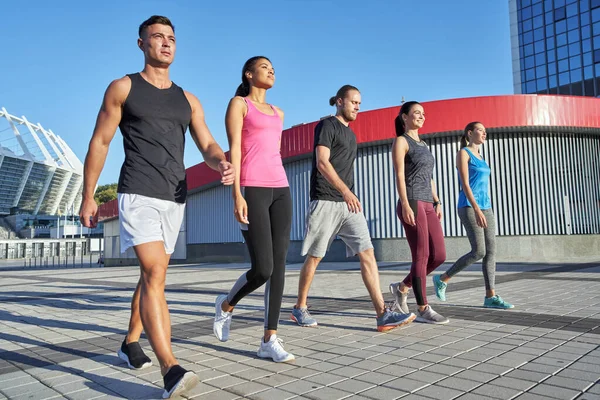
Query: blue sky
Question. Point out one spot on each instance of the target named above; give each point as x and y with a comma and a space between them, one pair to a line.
60, 56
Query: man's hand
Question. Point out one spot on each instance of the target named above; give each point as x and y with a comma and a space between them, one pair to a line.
352, 202
88, 213
227, 171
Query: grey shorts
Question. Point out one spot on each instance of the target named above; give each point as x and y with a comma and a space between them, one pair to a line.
327, 219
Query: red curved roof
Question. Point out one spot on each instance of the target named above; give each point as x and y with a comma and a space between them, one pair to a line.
441, 116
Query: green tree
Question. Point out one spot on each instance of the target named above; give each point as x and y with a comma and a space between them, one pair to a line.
105, 193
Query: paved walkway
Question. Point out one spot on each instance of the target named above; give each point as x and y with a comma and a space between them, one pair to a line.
60, 328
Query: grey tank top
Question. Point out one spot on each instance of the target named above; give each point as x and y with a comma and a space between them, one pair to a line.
418, 170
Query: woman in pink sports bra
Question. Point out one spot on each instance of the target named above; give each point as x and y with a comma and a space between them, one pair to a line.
262, 202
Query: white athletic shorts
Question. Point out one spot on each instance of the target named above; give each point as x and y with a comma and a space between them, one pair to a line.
145, 219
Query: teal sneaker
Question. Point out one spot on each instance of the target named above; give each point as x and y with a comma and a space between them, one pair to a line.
440, 287
496, 302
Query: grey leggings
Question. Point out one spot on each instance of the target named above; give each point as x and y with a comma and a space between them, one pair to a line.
483, 245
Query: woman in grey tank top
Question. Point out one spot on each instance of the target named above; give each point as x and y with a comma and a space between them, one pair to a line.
418, 209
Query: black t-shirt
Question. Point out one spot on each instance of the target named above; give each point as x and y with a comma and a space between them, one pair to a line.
153, 125
341, 141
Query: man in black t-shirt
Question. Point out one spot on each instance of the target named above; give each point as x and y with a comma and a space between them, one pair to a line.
335, 211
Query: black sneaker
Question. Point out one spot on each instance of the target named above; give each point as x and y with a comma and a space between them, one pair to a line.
133, 355
178, 381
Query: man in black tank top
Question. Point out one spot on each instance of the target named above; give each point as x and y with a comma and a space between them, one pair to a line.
153, 114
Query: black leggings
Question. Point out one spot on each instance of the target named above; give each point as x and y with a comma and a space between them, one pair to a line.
267, 237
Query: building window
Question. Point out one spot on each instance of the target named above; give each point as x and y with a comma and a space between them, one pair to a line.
550, 30
573, 23
597, 68
531, 88
526, 13
552, 68
588, 72
586, 45
538, 22
560, 27
563, 65
537, 9
562, 52
584, 5
550, 43
540, 72
551, 56
564, 79
549, 17
538, 34
528, 37
527, 25
529, 62
539, 46
596, 15
575, 62
561, 40
574, 36
595, 3
559, 3
574, 49
528, 50
530, 74
585, 18
560, 14
596, 42
596, 28
586, 32
552, 81
540, 59
542, 84
588, 58
589, 87
576, 75
572, 10
596, 56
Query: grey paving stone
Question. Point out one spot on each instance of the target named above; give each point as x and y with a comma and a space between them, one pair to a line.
247, 388
353, 386
477, 376
300, 387
496, 392
272, 394
568, 383
326, 379
530, 396
464, 385
424, 376
382, 392
527, 375
406, 384
554, 391
327, 393
376, 378
439, 392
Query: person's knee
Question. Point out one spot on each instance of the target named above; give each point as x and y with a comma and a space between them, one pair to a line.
367, 258
312, 261
154, 276
478, 252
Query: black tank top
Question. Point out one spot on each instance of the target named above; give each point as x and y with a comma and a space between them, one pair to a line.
418, 170
153, 125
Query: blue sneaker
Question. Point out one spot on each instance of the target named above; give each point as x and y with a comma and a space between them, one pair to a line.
440, 287
390, 320
302, 317
496, 302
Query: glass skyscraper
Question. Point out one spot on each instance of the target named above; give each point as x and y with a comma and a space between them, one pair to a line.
556, 46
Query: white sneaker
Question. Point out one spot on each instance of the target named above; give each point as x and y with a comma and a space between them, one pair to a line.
274, 349
222, 320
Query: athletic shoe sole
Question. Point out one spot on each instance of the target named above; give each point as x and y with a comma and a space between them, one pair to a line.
267, 355
499, 308
186, 383
124, 357
428, 321
387, 328
302, 325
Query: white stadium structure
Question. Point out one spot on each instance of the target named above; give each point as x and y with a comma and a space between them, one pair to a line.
39, 173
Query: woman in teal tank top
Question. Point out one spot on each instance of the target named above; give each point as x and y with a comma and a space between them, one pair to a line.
476, 214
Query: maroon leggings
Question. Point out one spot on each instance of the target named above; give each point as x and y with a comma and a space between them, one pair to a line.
427, 247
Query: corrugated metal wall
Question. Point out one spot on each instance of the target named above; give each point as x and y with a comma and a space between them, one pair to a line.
541, 184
